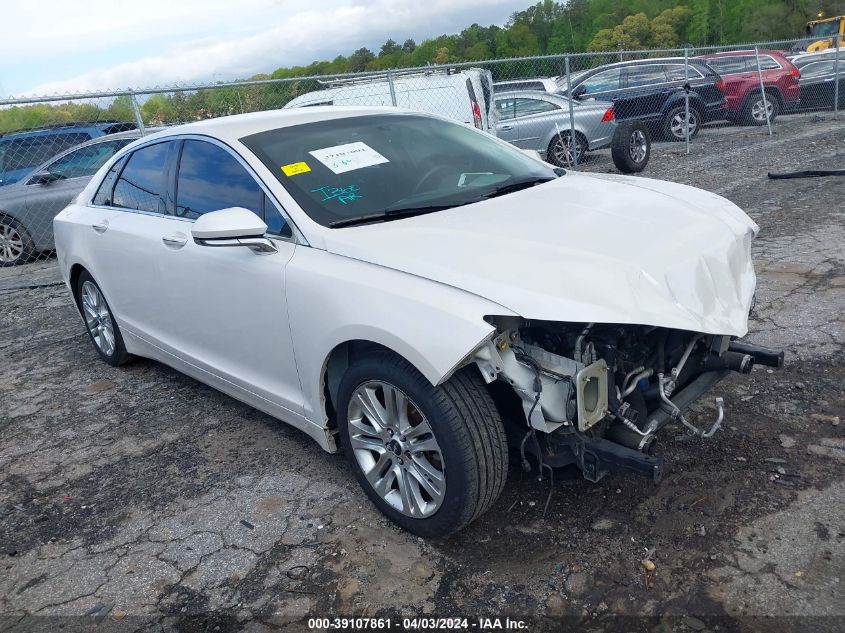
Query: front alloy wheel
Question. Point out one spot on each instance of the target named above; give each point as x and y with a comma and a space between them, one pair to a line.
396, 449
431, 458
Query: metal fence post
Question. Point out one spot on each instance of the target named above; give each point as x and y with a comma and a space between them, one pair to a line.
139, 121
572, 138
392, 89
836, 78
686, 97
763, 88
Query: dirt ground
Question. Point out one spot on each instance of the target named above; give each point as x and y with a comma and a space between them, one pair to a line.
138, 499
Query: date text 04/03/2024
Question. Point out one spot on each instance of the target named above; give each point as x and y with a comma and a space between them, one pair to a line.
420, 623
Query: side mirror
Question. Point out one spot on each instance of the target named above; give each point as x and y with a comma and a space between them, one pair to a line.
577, 91
234, 226
43, 178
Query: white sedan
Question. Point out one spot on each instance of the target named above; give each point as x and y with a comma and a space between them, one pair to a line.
416, 292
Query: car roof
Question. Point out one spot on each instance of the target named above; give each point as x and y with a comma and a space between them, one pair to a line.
530, 94
233, 128
741, 53
650, 60
64, 128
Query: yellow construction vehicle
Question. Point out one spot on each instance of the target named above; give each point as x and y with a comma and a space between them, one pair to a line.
826, 30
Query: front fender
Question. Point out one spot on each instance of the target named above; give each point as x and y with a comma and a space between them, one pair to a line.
334, 299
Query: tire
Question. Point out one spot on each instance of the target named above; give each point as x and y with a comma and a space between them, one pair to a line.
673, 123
99, 321
631, 147
559, 152
466, 460
16, 246
753, 112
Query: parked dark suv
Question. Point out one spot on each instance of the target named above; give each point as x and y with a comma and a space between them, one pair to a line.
652, 90
21, 152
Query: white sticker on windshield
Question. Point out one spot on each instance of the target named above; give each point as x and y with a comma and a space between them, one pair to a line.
343, 158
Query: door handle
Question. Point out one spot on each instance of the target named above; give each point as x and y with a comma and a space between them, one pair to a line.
177, 240
507, 127
100, 227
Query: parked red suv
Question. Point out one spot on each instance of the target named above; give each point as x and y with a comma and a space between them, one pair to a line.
741, 84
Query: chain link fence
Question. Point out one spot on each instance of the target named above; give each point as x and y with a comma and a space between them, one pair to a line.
621, 102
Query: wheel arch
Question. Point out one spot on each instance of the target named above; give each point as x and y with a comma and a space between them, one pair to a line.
344, 354
771, 91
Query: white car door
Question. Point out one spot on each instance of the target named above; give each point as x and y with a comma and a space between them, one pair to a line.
227, 308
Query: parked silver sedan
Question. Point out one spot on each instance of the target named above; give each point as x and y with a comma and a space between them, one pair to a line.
536, 120
27, 207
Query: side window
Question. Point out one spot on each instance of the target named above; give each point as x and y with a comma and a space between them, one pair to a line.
766, 63
275, 221
817, 69
86, 160
525, 107
646, 75
143, 182
603, 81
729, 65
675, 72
211, 179
104, 192
505, 108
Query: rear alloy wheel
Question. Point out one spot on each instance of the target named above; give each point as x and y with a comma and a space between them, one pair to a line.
561, 150
674, 123
631, 147
431, 458
99, 321
755, 109
16, 246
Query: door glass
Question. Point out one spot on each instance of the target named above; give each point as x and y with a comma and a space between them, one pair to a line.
275, 221
729, 65
104, 193
211, 179
143, 182
646, 75
524, 107
603, 81
86, 160
675, 72
766, 63
505, 108
817, 69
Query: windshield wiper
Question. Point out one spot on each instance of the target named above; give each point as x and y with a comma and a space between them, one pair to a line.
391, 214
397, 213
519, 185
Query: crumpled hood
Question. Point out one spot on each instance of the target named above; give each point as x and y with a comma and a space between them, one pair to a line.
584, 248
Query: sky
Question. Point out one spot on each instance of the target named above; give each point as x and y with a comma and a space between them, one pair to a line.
67, 46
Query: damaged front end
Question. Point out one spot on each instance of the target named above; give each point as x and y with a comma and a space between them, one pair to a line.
596, 395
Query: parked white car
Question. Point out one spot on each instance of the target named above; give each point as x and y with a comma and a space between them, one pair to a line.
461, 95
416, 292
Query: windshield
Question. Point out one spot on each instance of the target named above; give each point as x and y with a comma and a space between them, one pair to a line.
353, 167
825, 29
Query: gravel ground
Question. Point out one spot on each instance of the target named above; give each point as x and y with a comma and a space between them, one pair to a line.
139, 499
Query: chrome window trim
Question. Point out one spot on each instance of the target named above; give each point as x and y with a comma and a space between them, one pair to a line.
297, 237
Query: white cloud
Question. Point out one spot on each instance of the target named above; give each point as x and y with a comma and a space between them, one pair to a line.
189, 41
